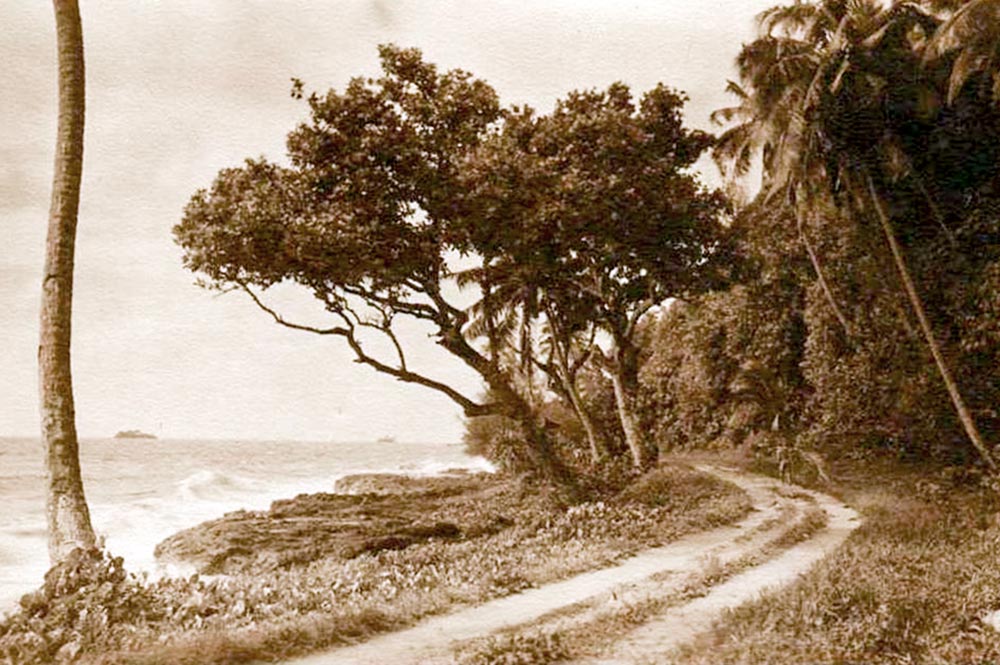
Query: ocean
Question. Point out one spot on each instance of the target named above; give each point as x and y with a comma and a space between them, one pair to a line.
141, 491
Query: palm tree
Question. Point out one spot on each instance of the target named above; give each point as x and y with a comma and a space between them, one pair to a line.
781, 72
857, 58
505, 316
69, 524
973, 31
569, 347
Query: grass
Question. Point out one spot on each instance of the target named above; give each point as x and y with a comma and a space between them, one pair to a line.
93, 612
911, 585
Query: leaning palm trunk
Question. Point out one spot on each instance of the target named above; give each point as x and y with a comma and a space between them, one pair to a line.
68, 518
818, 269
956, 397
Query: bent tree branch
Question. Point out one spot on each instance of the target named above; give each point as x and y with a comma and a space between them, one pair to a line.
470, 407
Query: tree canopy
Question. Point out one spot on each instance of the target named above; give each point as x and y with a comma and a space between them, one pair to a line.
596, 207
876, 126
586, 215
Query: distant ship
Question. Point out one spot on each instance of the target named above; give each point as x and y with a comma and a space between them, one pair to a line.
133, 434
386, 439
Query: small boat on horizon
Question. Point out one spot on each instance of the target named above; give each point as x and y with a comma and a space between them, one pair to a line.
386, 439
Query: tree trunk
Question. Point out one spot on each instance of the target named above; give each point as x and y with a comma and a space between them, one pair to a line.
68, 518
598, 452
538, 442
633, 438
818, 269
918, 307
544, 458
565, 374
624, 371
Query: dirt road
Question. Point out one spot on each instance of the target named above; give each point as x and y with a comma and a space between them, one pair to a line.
656, 571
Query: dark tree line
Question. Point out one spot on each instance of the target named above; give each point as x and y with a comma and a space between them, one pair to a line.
875, 234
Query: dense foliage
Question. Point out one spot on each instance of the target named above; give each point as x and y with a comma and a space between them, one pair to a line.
591, 215
879, 137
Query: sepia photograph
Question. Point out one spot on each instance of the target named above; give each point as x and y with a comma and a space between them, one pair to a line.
347, 332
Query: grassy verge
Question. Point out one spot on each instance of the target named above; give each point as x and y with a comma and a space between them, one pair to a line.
911, 585
506, 537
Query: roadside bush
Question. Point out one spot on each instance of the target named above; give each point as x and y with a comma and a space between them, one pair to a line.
518, 649
725, 366
914, 584
86, 601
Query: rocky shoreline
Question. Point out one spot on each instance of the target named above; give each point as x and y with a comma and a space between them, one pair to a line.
366, 513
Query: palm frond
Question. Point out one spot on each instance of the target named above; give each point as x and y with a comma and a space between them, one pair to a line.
734, 88
726, 115
734, 149
974, 31
976, 24
464, 278
788, 19
896, 26
942, 6
967, 63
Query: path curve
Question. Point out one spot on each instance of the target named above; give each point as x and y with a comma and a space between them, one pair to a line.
652, 642
433, 639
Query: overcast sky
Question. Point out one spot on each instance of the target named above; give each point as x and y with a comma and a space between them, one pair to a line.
179, 89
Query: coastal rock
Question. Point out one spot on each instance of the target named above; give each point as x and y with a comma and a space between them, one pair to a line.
395, 483
312, 526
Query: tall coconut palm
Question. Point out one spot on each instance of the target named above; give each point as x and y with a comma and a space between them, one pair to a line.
780, 74
828, 122
972, 33
875, 73
69, 524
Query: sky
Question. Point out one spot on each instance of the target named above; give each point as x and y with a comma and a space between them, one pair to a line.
178, 90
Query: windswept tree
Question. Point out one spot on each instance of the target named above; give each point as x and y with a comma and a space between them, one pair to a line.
68, 517
595, 204
364, 218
